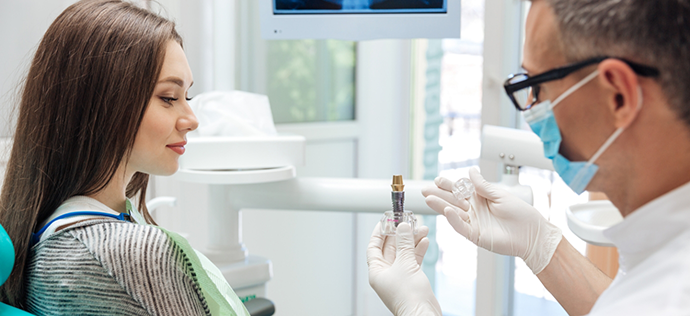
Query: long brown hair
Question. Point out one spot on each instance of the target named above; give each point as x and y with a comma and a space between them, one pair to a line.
88, 86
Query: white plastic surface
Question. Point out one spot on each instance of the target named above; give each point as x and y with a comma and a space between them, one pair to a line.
513, 147
589, 220
248, 273
236, 176
160, 201
328, 194
228, 153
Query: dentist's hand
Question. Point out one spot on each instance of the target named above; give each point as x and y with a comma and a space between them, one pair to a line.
497, 221
395, 273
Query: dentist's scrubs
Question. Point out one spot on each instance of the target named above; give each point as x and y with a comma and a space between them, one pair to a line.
654, 247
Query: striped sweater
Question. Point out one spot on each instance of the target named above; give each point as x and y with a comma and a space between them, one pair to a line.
110, 267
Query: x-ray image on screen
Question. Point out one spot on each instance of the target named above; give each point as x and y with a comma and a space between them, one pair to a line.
405, 4
358, 6
309, 4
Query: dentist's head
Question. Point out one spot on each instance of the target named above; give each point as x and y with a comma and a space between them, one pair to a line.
606, 89
103, 106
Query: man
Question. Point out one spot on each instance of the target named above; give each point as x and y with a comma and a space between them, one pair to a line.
607, 89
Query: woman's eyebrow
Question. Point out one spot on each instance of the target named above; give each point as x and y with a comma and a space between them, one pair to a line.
175, 80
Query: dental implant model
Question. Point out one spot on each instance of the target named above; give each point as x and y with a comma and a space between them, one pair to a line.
463, 189
391, 219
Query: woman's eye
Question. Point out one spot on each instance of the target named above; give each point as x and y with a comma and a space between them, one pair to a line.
189, 99
168, 100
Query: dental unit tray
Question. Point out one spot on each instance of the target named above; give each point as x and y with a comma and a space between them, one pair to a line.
242, 153
589, 220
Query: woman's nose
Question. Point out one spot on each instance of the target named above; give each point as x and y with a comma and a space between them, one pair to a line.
188, 122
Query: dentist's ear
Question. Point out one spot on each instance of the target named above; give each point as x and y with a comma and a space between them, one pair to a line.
625, 94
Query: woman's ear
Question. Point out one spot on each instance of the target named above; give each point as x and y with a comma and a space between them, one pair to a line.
624, 98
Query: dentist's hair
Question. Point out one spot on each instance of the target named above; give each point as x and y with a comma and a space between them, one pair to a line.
654, 33
82, 102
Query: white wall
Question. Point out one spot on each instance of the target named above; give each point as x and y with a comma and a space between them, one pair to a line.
22, 24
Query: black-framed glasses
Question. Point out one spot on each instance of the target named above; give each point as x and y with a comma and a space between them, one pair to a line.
523, 90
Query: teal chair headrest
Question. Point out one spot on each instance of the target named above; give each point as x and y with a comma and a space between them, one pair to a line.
6, 255
6, 264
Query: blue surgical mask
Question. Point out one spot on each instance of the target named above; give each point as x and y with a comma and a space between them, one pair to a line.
577, 175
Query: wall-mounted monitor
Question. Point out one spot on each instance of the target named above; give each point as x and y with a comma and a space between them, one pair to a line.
359, 19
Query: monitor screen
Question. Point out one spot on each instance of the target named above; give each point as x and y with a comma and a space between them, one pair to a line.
358, 6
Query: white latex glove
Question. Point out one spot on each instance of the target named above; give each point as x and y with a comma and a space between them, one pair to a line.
395, 273
497, 221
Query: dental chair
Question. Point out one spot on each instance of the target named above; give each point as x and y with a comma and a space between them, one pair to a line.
256, 307
6, 264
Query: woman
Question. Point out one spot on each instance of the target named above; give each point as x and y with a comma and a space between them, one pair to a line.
104, 105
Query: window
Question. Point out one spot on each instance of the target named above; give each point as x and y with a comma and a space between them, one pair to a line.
311, 80
461, 106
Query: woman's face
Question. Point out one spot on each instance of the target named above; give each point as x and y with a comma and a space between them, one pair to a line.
167, 120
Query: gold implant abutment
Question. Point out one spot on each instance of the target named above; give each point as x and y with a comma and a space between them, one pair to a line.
398, 198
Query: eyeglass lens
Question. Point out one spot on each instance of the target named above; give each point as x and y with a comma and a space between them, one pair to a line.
524, 97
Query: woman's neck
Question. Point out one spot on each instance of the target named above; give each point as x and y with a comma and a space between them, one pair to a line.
113, 195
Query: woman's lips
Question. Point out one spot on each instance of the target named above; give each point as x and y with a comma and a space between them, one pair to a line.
178, 147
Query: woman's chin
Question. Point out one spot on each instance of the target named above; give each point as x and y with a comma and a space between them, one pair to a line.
169, 173
166, 171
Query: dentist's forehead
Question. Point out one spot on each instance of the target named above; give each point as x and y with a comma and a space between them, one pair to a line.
543, 49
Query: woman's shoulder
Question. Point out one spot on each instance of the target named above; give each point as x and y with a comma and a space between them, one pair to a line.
115, 231
104, 232
140, 259
118, 241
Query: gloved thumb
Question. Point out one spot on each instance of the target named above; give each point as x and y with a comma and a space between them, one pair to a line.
483, 187
404, 242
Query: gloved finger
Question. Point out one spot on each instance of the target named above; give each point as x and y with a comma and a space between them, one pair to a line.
450, 200
444, 183
389, 246
435, 203
426, 191
460, 226
464, 215
404, 242
483, 187
420, 250
389, 249
421, 233
374, 250
446, 196
438, 204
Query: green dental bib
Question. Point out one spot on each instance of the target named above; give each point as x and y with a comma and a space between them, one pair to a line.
220, 297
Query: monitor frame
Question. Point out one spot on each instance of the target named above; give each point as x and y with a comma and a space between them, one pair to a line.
359, 26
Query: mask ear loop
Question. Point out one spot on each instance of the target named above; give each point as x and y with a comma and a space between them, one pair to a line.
615, 134
574, 88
